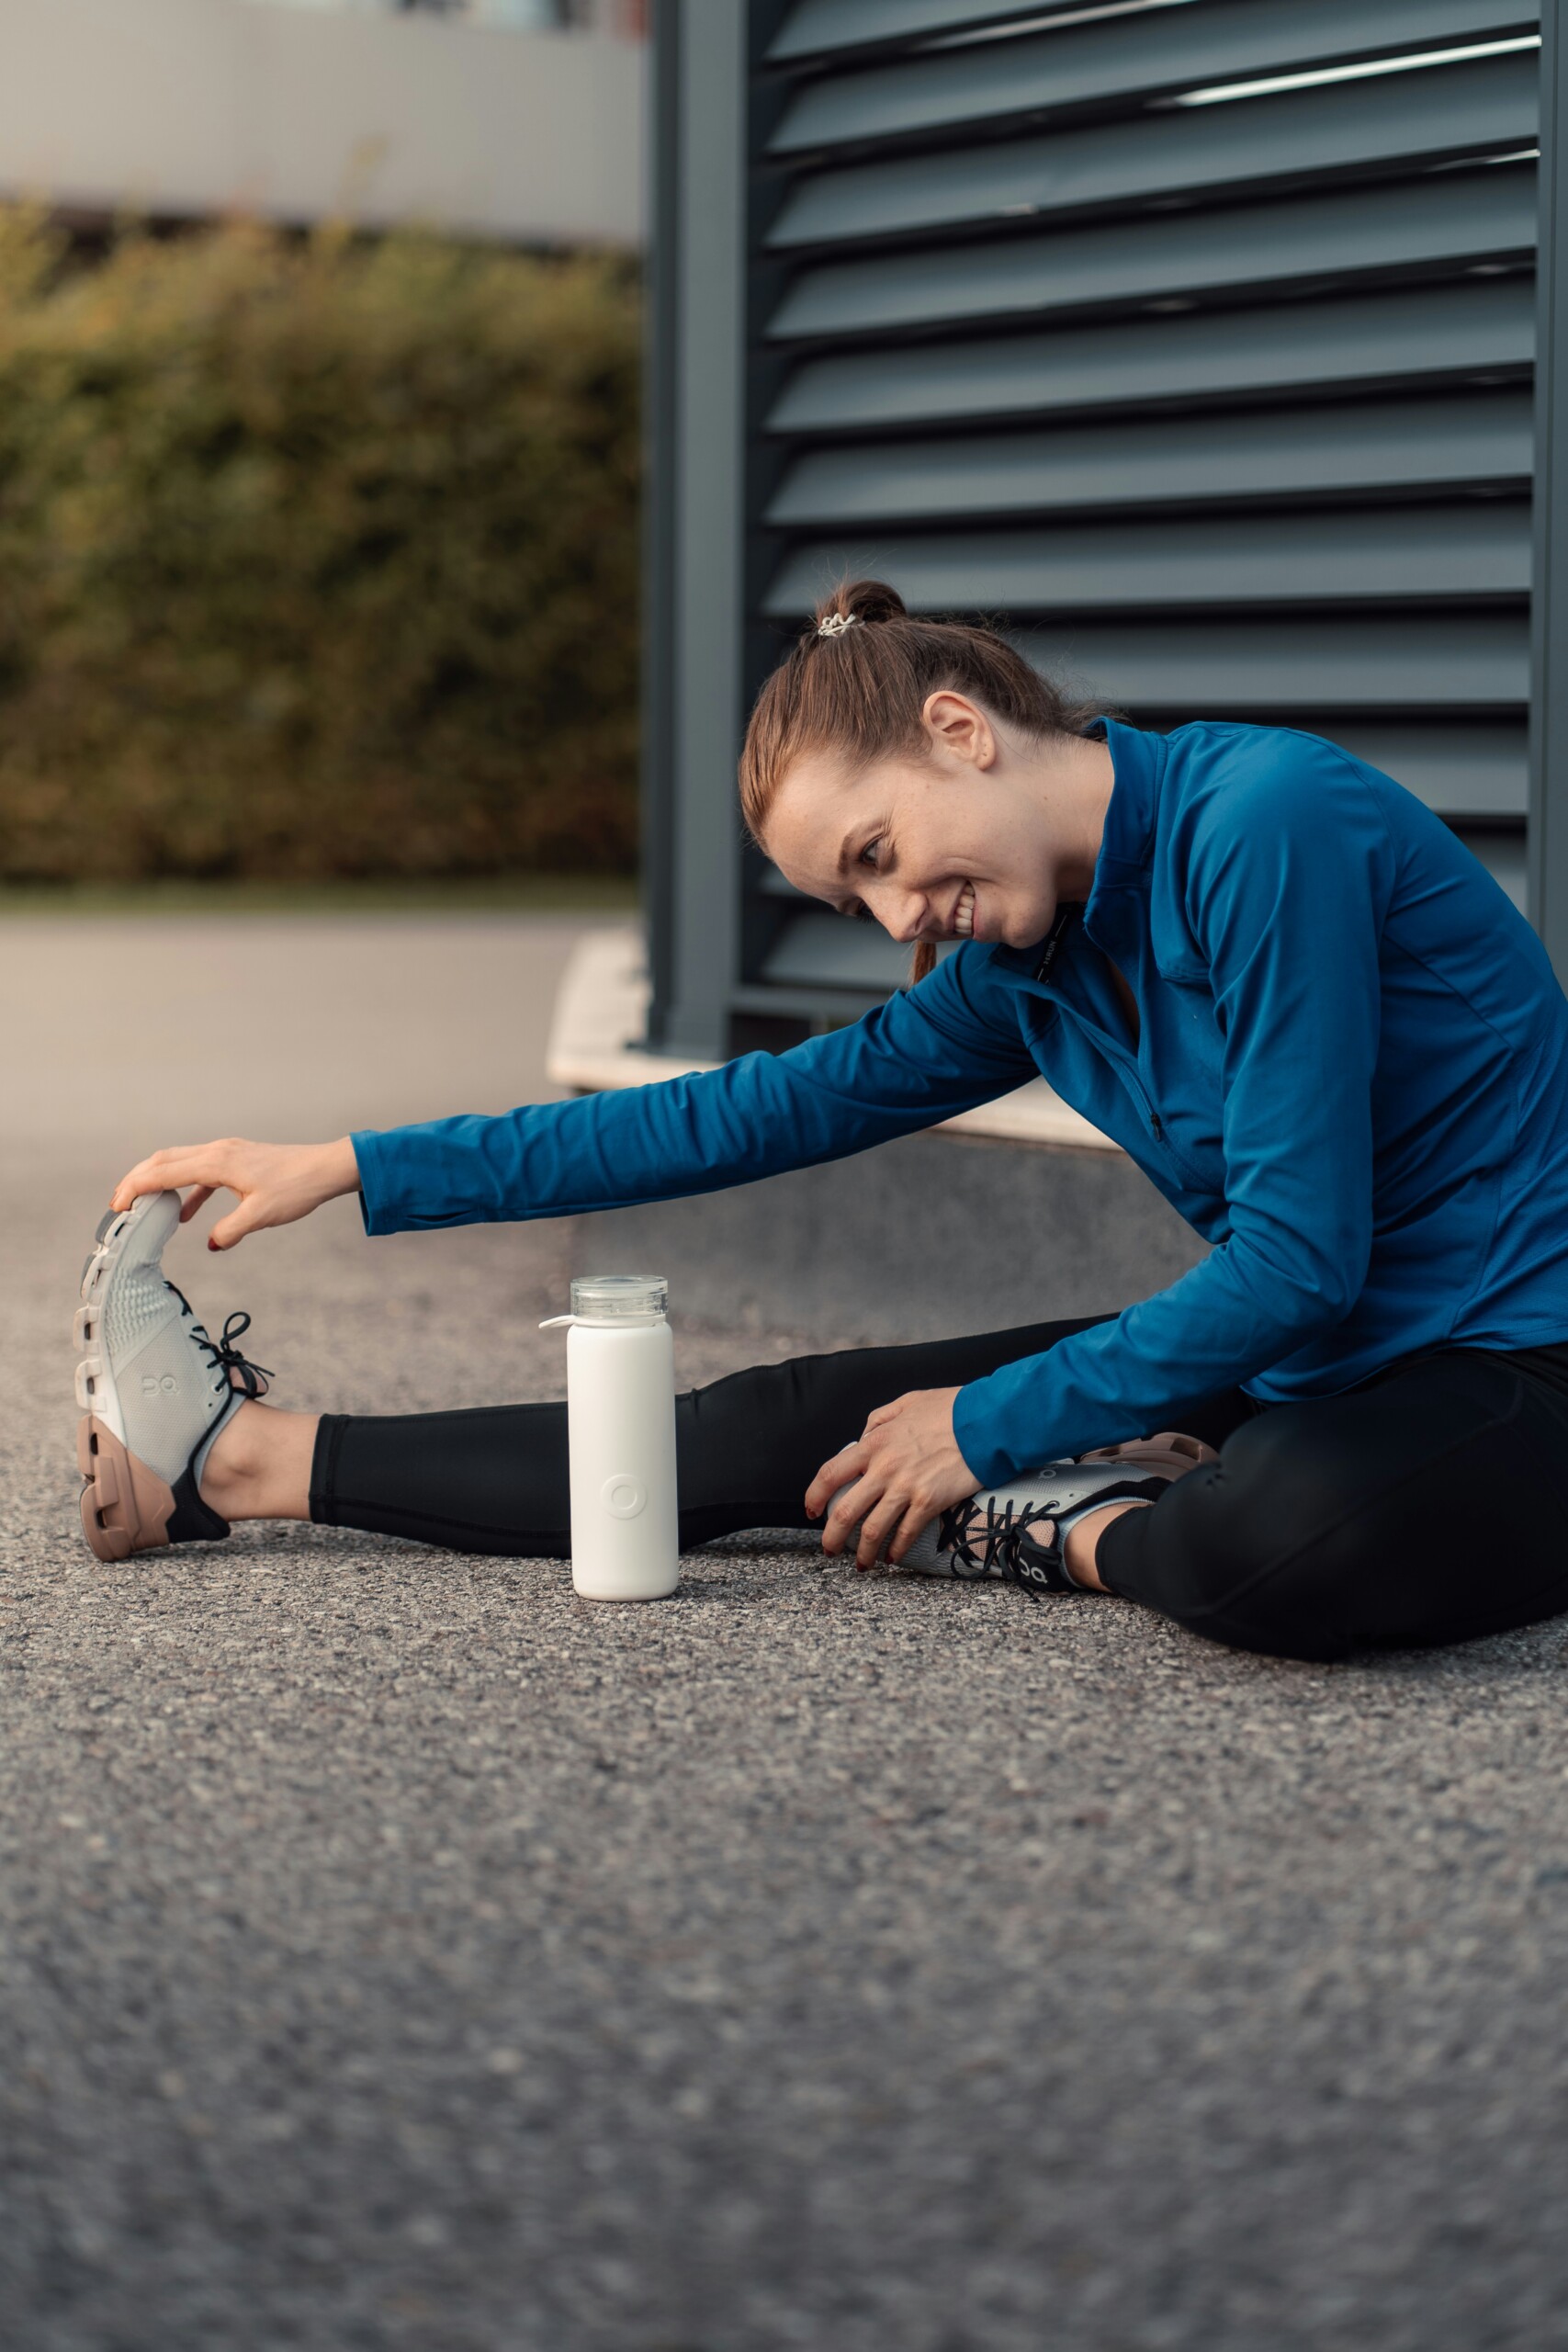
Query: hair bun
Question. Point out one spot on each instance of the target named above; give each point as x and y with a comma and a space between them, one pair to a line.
862, 600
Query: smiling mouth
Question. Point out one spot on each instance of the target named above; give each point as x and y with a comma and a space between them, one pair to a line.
964, 913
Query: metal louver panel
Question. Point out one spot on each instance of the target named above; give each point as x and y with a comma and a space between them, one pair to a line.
815, 29
819, 30
1253, 668
1349, 450
1457, 110
1475, 220
1483, 328
1219, 394
817, 948
1106, 64
1456, 554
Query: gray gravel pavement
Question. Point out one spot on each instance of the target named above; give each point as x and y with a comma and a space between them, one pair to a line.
395, 1951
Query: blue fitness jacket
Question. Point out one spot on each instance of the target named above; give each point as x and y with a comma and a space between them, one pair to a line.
1351, 1080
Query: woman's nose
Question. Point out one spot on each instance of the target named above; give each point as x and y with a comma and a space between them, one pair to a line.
908, 917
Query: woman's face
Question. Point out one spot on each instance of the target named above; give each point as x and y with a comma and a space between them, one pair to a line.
959, 845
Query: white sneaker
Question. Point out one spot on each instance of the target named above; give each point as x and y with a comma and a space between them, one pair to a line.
154, 1389
1017, 1533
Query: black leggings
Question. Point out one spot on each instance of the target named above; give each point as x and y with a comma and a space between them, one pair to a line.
1429, 1505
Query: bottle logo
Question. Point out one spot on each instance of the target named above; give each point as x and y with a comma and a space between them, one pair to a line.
623, 1496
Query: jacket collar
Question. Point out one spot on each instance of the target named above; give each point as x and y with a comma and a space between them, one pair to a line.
1126, 846
1126, 851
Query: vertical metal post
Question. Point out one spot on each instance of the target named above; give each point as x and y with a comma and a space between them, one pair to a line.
695, 616
1549, 656
658, 387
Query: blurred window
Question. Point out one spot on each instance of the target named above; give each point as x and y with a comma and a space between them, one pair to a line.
519, 16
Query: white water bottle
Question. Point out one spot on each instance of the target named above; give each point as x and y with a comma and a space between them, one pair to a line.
620, 1392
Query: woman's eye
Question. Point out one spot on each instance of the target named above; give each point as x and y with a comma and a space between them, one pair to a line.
866, 855
862, 912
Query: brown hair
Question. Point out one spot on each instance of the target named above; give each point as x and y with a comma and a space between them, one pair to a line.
860, 692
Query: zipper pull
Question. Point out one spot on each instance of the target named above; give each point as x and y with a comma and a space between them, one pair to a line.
1155, 1127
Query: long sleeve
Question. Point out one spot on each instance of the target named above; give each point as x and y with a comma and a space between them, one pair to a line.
923, 1057
1289, 875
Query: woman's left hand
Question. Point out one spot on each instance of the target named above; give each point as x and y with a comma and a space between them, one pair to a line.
894, 1479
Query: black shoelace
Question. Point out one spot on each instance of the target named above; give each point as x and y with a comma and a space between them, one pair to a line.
996, 1545
223, 1352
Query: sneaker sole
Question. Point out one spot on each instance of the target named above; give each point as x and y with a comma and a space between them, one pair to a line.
96, 1391
1168, 1452
125, 1508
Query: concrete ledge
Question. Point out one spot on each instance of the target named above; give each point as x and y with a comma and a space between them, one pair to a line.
1015, 1214
602, 1012
925, 1237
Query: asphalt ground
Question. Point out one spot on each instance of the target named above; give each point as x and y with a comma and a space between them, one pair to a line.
396, 1952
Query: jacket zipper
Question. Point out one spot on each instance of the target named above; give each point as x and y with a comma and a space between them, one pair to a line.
1112, 1047
1156, 1127
1116, 1052
1128, 1065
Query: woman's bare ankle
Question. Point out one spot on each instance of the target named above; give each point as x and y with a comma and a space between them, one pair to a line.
259, 1466
1083, 1542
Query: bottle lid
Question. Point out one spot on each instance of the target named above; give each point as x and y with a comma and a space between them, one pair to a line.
620, 1298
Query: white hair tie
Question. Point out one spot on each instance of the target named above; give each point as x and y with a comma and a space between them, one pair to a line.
836, 623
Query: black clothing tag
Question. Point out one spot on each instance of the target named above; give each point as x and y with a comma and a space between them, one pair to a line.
1058, 931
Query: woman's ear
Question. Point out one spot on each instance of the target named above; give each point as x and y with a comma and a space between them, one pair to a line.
960, 728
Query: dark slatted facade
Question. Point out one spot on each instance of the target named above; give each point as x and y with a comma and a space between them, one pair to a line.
1197, 338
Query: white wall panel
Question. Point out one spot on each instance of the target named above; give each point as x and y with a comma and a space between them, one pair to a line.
192, 106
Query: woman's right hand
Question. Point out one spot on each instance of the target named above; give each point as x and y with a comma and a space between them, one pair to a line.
277, 1183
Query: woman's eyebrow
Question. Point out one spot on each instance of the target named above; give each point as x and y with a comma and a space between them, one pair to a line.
872, 827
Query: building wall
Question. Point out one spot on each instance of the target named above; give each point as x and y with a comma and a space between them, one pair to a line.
187, 107
1197, 341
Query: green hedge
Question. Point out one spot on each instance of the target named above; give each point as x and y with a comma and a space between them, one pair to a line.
317, 559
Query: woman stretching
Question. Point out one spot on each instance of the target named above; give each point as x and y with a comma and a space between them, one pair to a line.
1261, 966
